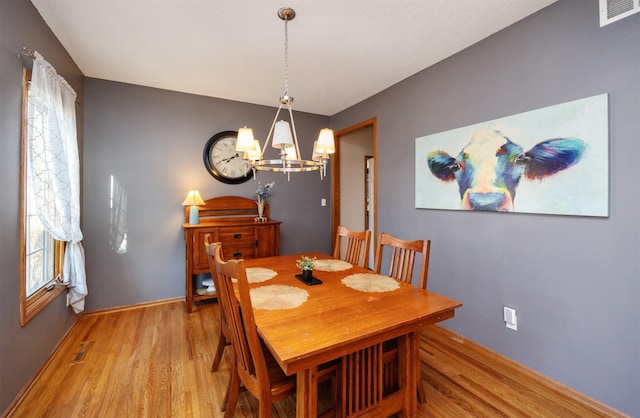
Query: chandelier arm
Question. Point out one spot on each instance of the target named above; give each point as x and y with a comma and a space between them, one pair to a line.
295, 134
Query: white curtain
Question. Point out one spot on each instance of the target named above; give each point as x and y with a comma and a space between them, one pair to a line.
52, 161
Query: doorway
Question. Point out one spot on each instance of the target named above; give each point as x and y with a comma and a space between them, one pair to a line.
354, 181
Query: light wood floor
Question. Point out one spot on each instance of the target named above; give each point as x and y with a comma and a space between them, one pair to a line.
154, 361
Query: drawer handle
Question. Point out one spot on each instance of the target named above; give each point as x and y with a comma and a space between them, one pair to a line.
237, 235
237, 254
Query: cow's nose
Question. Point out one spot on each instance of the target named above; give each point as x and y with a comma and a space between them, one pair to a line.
487, 201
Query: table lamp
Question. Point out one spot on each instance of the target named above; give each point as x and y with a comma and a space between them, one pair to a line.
193, 200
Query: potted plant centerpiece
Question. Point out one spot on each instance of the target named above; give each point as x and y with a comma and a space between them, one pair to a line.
306, 264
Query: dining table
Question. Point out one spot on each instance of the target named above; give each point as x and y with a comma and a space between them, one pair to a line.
349, 310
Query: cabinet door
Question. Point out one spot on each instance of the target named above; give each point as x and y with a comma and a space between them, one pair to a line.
200, 260
267, 241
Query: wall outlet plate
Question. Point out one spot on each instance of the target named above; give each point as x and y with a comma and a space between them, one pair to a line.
510, 318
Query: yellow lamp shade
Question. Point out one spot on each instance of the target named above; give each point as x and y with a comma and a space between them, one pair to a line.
325, 142
193, 198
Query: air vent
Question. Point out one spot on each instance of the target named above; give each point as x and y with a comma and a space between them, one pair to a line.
614, 10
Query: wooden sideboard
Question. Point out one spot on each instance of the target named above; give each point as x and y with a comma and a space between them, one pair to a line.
231, 221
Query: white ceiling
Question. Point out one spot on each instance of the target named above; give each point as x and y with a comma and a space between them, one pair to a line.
340, 51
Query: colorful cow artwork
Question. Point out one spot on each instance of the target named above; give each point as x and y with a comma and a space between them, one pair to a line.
490, 167
554, 158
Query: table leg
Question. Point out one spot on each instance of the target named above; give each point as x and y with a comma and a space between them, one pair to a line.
307, 393
407, 373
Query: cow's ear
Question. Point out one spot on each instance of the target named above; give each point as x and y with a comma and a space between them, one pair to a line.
553, 155
442, 165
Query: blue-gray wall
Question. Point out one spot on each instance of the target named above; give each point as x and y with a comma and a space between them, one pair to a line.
575, 281
23, 349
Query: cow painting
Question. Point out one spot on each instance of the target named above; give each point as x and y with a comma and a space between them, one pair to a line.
489, 168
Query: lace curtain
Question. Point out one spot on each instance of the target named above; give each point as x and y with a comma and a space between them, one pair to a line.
53, 164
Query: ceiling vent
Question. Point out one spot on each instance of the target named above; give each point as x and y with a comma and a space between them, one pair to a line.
614, 10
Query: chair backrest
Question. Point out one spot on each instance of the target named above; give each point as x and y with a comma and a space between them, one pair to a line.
212, 263
251, 364
355, 243
214, 275
403, 256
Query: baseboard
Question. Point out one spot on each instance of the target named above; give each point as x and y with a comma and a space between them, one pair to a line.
179, 299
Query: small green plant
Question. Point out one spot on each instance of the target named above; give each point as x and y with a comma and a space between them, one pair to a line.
306, 263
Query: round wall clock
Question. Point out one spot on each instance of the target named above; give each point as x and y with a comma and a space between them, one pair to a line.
222, 160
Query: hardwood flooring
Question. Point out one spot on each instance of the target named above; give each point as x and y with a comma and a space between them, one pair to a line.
154, 361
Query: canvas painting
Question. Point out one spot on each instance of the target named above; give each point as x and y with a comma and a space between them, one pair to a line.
553, 160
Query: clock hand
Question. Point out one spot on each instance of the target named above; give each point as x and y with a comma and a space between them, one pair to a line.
226, 160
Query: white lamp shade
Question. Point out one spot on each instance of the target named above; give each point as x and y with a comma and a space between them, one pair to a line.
245, 139
325, 142
193, 198
256, 152
291, 153
317, 155
282, 134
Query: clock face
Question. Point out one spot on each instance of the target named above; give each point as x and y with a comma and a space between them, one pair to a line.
222, 160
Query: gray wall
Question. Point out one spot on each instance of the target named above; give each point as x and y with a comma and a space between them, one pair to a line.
23, 349
151, 141
573, 280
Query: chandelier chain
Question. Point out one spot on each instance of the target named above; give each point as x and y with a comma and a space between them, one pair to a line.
286, 57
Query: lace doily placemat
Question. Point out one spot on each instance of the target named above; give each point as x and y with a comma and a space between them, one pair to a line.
332, 265
276, 296
369, 282
260, 274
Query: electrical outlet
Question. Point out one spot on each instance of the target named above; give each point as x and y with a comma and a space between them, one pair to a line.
511, 318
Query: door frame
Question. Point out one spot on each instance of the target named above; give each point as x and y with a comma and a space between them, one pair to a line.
335, 176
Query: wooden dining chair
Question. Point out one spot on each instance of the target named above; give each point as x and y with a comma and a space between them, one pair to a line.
225, 333
356, 243
401, 264
224, 339
403, 257
254, 365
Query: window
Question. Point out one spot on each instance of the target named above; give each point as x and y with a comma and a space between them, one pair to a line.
42, 255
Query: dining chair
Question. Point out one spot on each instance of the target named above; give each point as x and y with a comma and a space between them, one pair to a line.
403, 257
224, 338
401, 263
355, 243
225, 332
255, 368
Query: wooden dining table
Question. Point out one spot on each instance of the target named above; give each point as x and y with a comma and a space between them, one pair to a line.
336, 320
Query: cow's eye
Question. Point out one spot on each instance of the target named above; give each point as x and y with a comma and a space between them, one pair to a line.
455, 167
521, 159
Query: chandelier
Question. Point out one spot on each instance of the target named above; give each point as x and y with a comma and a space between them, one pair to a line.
280, 135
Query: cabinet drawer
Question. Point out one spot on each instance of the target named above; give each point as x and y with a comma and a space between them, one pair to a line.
237, 236
238, 251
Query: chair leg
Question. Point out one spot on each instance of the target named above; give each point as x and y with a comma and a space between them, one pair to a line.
225, 400
264, 408
222, 343
233, 391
